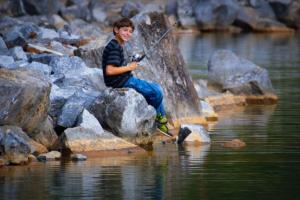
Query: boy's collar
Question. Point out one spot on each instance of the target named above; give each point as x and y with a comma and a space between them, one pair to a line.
121, 42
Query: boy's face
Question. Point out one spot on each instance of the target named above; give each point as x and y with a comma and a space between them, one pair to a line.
123, 33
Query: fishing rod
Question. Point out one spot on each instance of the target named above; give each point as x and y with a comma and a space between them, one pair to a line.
139, 57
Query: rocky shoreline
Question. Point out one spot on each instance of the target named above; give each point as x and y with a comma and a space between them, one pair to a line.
52, 92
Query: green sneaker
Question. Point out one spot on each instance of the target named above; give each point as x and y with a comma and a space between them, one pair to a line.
161, 119
164, 130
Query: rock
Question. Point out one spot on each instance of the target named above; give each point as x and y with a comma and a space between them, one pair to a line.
50, 156
78, 157
208, 111
45, 134
198, 134
83, 79
250, 88
18, 64
24, 98
6, 23
152, 7
44, 58
75, 11
99, 14
171, 7
14, 145
263, 8
165, 66
58, 22
67, 35
2, 44
2, 162
45, 7
79, 139
78, 2
230, 71
249, 20
40, 67
186, 13
235, 143
130, 9
40, 20
17, 7
183, 134
204, 89
57, 79
19, 34
37, 148
3, 48
32, 158
18, 53
6, 61
58, 98
65, 64
47, 33
91, 53
74, 107
287, 11
216, 14
125, 112
88, 121
64, 49
86, 30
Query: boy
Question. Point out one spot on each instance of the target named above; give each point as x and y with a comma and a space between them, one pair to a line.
117, 73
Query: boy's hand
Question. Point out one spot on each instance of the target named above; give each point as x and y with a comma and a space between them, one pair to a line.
133, 65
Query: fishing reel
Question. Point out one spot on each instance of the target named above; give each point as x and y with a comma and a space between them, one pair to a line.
137, 57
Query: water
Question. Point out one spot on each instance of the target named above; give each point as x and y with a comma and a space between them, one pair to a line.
267, 168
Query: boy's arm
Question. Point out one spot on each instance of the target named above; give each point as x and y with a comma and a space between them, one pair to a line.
113, 70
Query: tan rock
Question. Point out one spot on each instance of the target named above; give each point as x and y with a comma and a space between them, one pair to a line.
79, 139
235, 143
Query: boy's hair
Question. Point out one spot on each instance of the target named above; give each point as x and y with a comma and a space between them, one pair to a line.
124, 22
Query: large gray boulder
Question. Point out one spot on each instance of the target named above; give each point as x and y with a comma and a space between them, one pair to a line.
66, 64
126, 113
165, 66
216, 14
88, 121
76, 75
74, 107
58, 97
24, 98
238, 75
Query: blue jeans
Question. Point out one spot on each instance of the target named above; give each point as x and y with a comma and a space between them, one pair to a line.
152, 92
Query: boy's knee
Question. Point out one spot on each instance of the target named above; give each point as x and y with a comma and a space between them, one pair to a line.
158, 92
